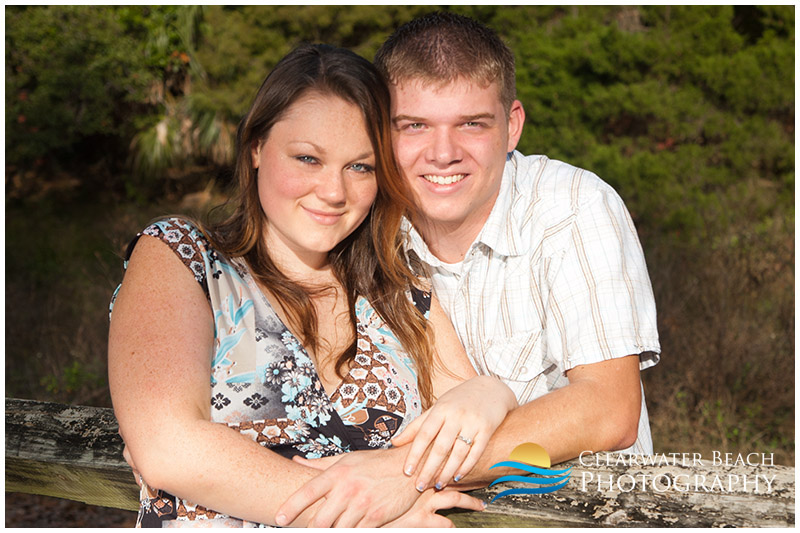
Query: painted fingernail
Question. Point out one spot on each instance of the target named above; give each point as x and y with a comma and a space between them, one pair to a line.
484, 504
421, 487
458, 478
409, 470
438, 485
280, 520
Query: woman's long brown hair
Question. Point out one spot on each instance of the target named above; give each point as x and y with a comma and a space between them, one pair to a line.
370, 262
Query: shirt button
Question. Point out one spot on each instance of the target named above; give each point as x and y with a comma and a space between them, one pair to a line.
523, 370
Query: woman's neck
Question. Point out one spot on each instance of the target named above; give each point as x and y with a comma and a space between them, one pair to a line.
312, 269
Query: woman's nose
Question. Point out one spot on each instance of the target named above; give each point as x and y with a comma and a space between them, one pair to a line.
332, 188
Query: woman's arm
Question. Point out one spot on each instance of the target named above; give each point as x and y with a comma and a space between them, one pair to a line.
160, 346
331, 490
468, 409
453, 366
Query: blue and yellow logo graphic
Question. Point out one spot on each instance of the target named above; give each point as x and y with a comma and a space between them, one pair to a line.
531, 458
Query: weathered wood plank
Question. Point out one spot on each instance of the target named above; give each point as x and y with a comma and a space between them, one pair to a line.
68, 452
75, 453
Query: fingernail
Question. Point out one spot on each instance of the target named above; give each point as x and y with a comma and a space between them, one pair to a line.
438, 485
409, 470
458, 478
421, 487
484, 504
280, 520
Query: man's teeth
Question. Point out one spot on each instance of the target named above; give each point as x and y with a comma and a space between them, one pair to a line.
444, 180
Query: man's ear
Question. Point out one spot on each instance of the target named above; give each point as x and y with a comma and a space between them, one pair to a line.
255, 152
516, 119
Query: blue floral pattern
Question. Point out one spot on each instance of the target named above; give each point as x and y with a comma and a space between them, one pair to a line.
265, 385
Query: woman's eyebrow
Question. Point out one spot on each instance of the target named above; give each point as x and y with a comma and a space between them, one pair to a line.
310, 143
322, 150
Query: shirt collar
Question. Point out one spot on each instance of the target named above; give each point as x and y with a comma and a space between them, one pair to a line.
502, 230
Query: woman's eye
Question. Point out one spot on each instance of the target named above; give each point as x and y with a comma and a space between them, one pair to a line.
362, 167
306, 159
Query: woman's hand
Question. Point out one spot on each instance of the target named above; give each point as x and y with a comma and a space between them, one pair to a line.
358, 489
455, 430
423, 513
126, 454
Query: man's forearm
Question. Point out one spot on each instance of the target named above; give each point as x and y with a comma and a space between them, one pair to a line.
598, 410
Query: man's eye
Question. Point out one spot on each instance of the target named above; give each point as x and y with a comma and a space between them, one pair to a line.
362, 167
472, 124
416, 126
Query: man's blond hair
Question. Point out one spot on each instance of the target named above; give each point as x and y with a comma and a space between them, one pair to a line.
440, 48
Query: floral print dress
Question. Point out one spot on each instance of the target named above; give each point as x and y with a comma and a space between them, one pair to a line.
265, 386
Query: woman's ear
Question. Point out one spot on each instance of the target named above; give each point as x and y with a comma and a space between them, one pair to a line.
255, 151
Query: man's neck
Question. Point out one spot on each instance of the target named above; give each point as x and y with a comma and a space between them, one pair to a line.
448, 243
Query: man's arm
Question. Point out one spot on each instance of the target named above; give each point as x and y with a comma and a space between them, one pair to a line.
600, 286
598, 410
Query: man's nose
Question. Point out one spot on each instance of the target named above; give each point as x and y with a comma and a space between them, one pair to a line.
332, 187
444, 148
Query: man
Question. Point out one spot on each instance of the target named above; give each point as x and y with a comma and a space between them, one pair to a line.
536, 262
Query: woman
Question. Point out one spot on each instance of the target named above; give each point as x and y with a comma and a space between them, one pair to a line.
318, 334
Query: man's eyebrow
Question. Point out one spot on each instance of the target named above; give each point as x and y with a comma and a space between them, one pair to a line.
462, 118
472, 118
401, 118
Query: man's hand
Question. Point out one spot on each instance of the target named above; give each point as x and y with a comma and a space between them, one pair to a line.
361, 489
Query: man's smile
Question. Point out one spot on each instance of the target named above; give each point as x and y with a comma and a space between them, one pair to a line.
444, 180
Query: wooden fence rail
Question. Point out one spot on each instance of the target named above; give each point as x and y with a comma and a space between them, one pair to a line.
74, 452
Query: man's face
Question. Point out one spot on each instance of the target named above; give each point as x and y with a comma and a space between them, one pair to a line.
451, 143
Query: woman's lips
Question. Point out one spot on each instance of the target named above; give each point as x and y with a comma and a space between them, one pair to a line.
324, 217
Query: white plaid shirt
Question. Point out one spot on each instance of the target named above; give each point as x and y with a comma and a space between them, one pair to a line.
555, 279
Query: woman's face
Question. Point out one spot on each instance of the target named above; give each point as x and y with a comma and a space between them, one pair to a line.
316, 178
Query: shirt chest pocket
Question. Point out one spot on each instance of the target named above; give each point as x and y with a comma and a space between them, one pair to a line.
509, 301
519, 357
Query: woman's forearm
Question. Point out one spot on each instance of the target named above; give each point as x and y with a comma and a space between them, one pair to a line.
160, 341
212, 465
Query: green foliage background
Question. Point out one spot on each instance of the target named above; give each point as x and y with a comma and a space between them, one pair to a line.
116, 114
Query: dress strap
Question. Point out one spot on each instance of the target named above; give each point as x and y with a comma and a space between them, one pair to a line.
422, 300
